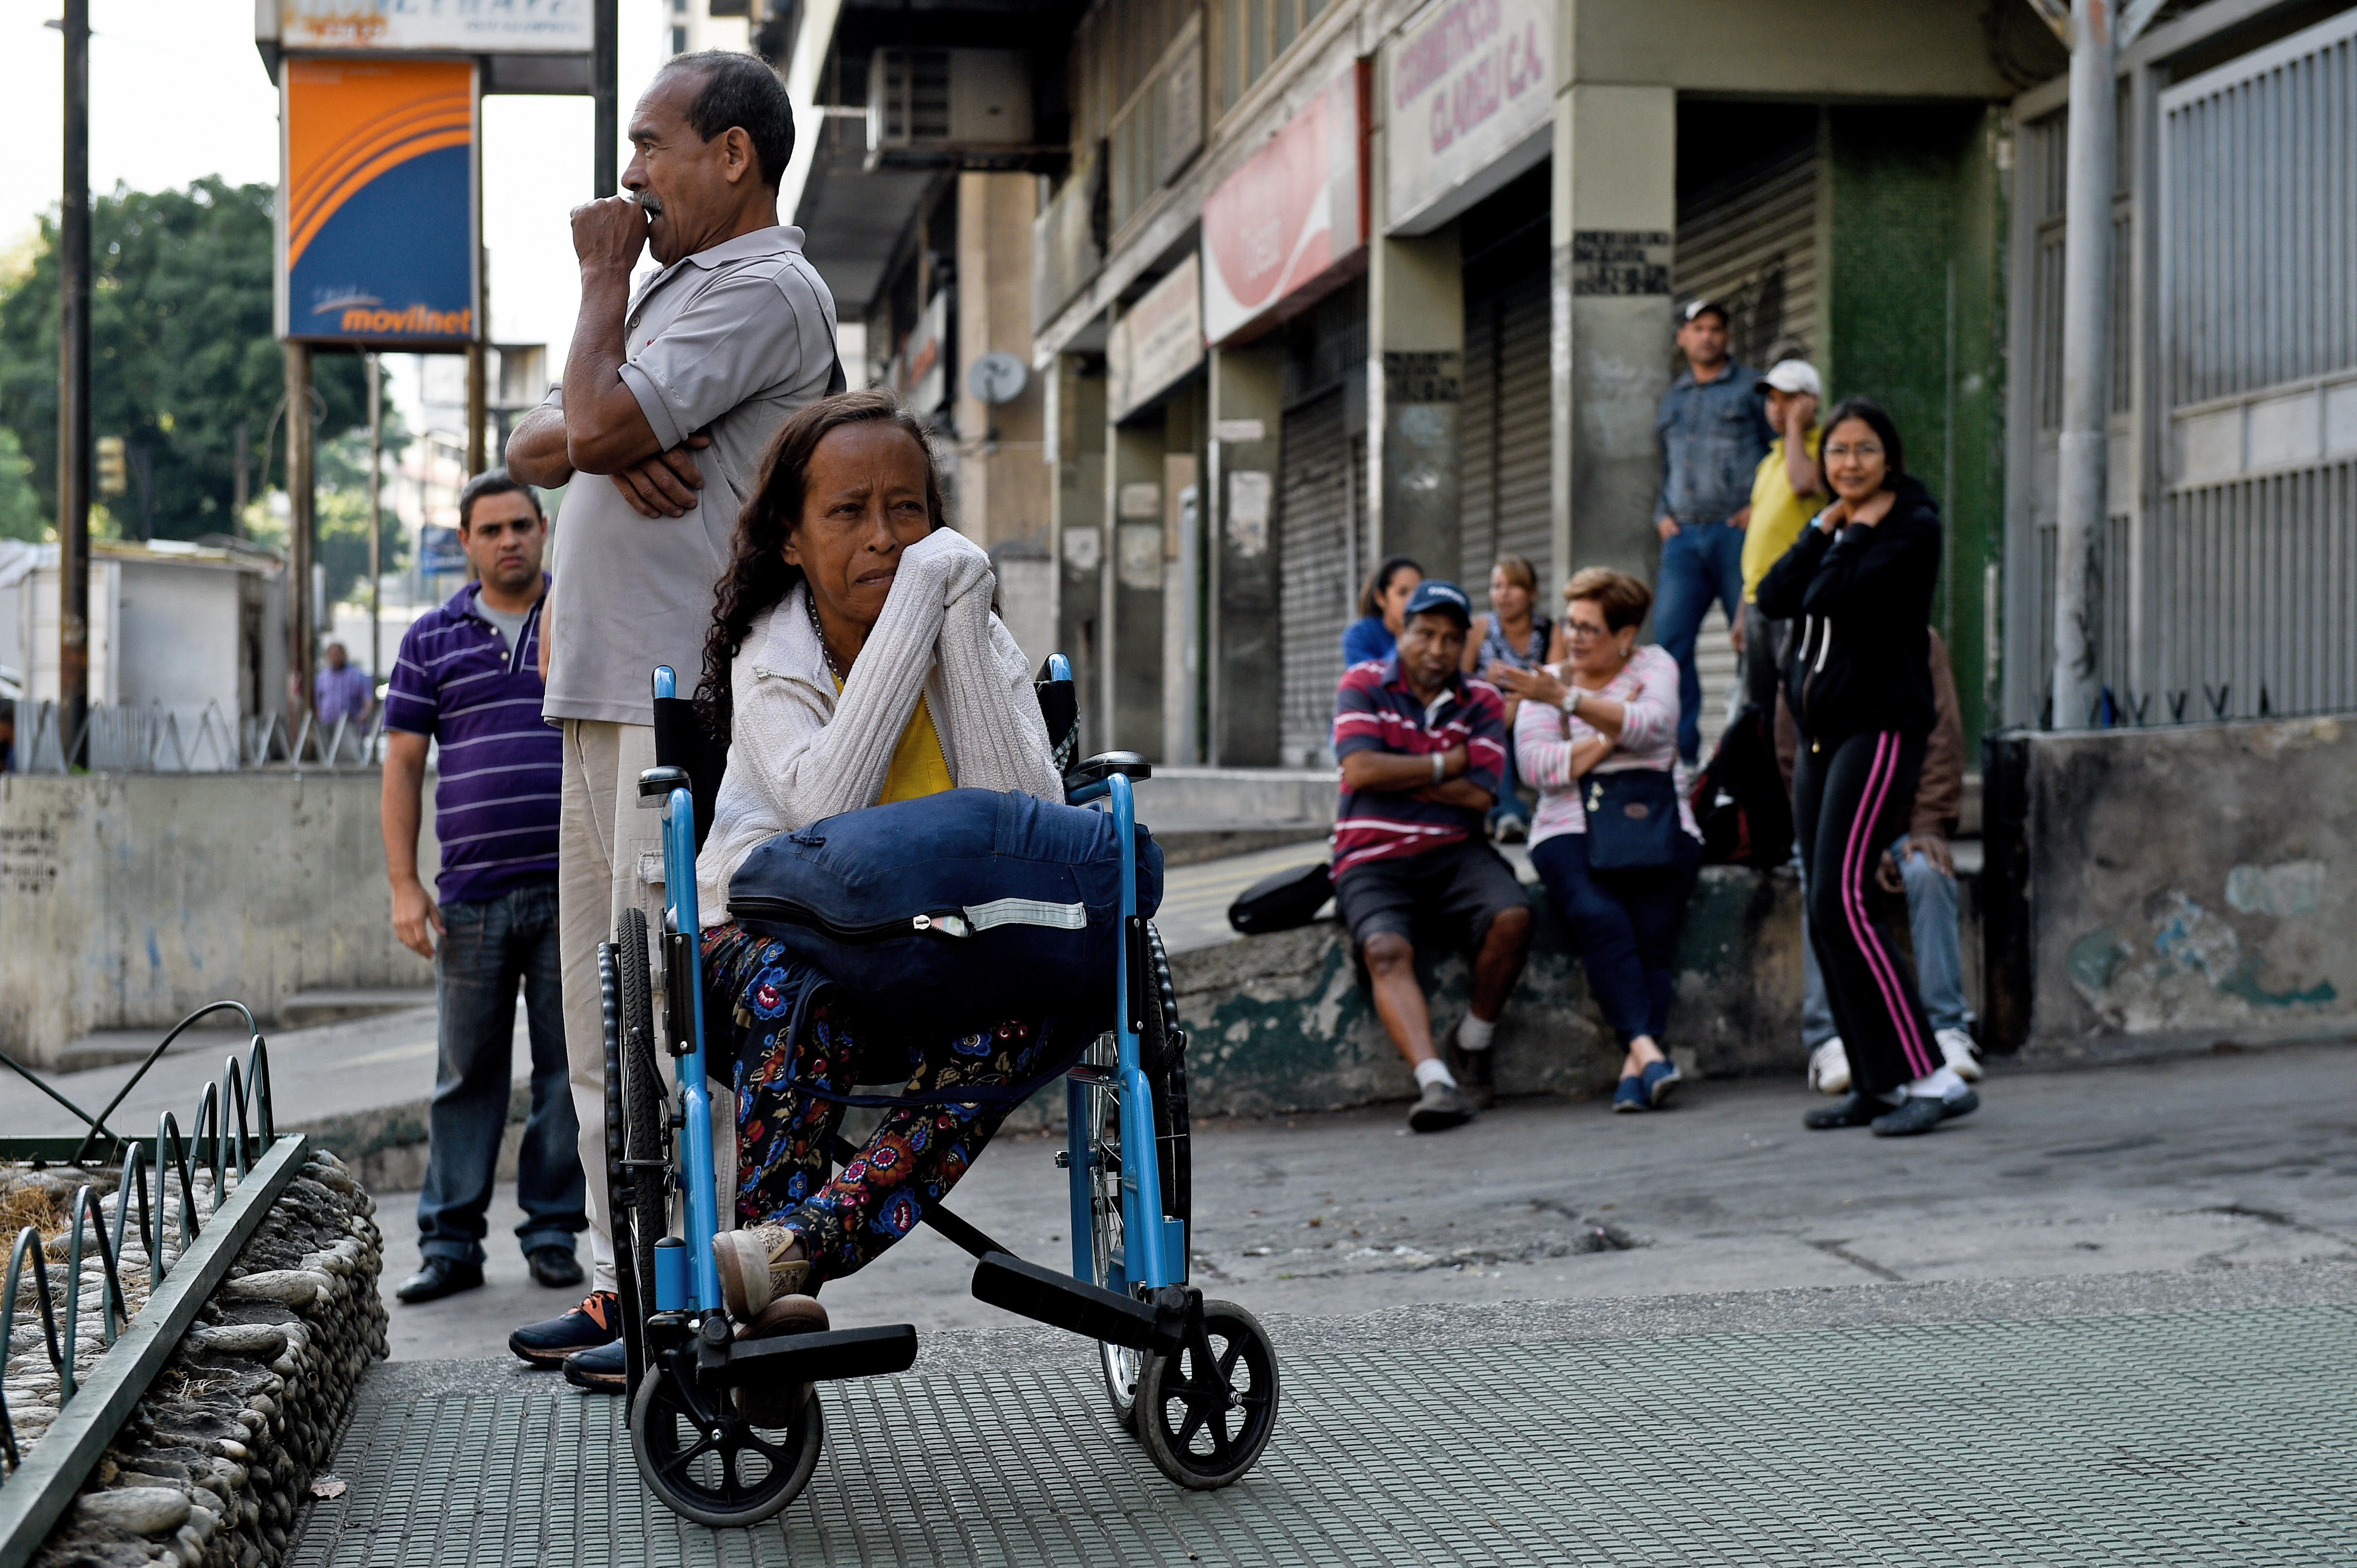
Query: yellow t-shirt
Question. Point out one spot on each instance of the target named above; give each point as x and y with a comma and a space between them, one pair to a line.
1777, 514
918, 766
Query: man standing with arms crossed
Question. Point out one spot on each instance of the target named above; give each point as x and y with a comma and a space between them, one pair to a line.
671, 395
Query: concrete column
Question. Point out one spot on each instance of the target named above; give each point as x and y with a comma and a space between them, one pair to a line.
1246, 673
1133, 588
1415, 360
1615, 218
1077, 400
1002, 484
1182, 565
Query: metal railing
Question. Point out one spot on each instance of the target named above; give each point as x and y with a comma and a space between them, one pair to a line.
127, 738
234, 1123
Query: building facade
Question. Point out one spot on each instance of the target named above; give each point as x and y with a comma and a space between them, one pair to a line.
1307, 282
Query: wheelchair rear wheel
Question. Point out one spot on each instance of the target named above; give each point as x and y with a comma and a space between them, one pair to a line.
1204, 1423
1162, 1054
705, 1461
618, 1173
645, 1105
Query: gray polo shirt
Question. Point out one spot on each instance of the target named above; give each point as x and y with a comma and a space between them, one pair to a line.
727, 341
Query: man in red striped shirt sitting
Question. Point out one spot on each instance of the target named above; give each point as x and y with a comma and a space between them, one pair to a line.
1422, 750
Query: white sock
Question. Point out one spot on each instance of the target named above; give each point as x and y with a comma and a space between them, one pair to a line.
1473, 1033
1941, 1085
1428, 1073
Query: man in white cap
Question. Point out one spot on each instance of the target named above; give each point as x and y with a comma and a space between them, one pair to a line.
1787, 490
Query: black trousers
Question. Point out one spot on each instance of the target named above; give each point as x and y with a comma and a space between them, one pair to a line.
1849, 800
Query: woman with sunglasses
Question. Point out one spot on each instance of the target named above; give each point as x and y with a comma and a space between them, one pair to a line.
1857, 583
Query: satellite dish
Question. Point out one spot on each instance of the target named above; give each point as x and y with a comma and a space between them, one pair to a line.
997, 376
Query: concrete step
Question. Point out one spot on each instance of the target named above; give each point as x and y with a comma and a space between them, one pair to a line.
306, 1008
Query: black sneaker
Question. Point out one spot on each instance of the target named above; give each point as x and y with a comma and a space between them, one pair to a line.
1852, 1109
1471, 1070
600, 1368
1919, 1114
438, 1278
554, 1266
1440, 1107
596, 1321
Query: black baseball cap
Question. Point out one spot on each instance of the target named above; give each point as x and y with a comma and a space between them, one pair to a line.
1433, 594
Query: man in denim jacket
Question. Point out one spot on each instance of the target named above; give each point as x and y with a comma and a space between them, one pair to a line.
1713, 427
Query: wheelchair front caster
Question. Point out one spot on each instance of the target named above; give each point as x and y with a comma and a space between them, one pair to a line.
1204, 1420
705, 1461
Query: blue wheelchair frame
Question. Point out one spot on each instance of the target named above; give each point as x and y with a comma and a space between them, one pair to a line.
1153, 1245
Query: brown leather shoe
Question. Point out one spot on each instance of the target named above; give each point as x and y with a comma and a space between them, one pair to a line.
778, 1406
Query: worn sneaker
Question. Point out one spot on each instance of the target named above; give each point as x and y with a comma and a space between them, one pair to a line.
596, 1321
1956, 1045
1440, 1107
1471, 1070
600, 1368
1829, 1068
752, 1273
775, 1407
1853, 1109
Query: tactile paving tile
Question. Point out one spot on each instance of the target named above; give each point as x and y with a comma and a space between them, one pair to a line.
2188, 1437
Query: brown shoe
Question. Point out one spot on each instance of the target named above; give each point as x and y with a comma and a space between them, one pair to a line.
776, 1407
752, 1273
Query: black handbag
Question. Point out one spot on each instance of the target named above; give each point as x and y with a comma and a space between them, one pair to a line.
1282, 902
1632, 819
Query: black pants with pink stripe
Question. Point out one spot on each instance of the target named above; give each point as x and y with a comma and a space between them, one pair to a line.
1849, 800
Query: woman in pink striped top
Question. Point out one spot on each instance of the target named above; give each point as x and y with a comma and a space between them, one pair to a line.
1610, 707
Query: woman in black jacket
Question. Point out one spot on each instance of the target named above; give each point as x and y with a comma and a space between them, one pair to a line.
1858, 584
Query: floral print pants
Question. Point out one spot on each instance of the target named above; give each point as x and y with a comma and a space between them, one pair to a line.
785, 1170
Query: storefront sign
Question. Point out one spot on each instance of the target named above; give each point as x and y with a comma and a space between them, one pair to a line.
1622, 260
1280, 229
1156, 341
922, 375
468, 27
376, 225
1469, 102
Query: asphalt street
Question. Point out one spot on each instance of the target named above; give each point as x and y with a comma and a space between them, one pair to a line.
2197, 1164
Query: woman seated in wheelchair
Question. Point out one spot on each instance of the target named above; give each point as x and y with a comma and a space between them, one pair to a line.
854, 659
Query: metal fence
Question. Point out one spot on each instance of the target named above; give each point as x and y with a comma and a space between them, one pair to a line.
126, 738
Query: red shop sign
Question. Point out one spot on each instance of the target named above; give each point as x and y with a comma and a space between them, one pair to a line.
1290, 224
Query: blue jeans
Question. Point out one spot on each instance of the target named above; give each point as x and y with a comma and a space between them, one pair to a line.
1701, 562
1625, 925
1510, 801
1939, 956
489, 948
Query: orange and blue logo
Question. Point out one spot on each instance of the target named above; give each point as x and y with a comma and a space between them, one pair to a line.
379, 201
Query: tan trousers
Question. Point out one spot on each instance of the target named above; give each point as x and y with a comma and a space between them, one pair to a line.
610, 858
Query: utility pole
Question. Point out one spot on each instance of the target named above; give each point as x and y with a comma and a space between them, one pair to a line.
606, 94
376, 521
300, 652
73, 392
2095, 31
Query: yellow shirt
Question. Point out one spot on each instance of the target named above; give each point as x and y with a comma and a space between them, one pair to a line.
1777, 514
919, 767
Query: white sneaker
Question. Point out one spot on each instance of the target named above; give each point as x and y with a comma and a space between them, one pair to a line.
1956, 1044
1829, 1068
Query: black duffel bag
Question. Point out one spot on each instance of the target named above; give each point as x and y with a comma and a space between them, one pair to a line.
1283, 901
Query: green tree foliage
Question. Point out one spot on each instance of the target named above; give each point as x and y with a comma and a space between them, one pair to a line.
182, 353
21, 516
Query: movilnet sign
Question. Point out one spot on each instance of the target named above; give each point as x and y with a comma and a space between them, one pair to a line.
1471, 103
469, 26
1278, 232
376, 219
1156, 341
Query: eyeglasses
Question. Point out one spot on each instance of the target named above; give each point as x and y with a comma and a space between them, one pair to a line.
1578, 633
1862, 449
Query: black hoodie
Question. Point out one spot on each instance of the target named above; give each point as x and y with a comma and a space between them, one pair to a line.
1863, 598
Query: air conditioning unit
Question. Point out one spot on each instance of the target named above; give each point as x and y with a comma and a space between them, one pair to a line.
947, 101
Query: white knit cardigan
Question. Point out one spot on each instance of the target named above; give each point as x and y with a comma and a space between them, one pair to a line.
799, 752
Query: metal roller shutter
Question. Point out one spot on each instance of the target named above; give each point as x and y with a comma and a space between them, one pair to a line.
1751, 241
1504, 419
1316, 502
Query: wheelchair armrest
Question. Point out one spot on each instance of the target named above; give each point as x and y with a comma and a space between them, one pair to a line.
1103, 766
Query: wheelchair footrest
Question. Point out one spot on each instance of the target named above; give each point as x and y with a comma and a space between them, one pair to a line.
818, 1358
1094, 1312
